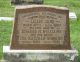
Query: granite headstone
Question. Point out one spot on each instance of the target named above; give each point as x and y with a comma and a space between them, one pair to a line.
41, 27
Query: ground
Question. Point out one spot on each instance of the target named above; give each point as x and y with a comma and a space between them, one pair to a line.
6, 27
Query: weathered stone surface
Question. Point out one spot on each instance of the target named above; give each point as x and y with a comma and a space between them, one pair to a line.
39, 56
41, 27
20, 2
73, 16
4, 61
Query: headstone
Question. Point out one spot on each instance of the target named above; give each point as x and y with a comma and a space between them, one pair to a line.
6, 18
72, 16
21, 2
41, 27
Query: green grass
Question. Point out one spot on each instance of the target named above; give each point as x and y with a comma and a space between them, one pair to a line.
6, 9
6, 27
5, 34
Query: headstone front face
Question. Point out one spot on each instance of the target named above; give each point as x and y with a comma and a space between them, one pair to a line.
41, 27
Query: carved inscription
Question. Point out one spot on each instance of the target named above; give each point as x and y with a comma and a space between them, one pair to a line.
42, 27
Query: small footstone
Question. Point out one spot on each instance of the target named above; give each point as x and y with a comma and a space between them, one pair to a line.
72, 16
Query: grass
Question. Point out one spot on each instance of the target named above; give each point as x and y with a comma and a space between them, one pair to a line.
7, 10
5, 34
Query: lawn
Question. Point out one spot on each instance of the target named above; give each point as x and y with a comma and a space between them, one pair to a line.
6, 27
6, 9
5, 34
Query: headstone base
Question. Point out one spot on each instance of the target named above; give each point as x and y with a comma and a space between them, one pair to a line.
39, 55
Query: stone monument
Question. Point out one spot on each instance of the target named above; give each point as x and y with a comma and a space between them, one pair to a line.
24, 2
40, 34
42, 26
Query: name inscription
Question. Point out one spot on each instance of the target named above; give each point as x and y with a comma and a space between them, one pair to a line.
42, 27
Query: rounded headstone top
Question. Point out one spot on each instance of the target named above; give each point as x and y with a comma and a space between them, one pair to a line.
48, 6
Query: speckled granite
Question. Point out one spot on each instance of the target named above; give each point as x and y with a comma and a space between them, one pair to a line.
40, 56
